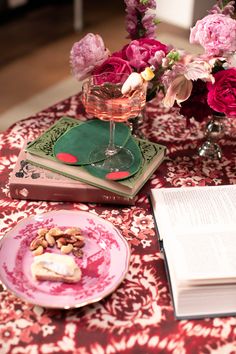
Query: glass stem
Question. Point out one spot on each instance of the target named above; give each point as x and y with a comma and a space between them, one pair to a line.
111, 149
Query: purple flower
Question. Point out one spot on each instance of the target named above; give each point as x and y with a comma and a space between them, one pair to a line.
131, 23
149, 25
140, 5
140, 22
89, 52
221, 8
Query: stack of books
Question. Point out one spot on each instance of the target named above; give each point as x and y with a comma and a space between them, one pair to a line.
38, 175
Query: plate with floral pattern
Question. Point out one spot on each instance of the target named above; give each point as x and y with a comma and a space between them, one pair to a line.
104, 263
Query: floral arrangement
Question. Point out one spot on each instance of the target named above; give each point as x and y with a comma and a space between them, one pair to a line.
208, 79
206, 84
90, 56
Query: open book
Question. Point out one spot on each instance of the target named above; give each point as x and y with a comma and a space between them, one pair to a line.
197, 230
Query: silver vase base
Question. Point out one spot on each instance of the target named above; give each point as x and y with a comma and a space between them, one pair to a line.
210, 150
135, 125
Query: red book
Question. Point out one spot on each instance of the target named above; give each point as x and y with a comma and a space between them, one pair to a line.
34, 183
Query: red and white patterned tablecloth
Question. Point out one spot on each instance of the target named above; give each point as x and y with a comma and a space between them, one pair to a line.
138, 317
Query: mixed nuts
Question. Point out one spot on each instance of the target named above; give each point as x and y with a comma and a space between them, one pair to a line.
68, 241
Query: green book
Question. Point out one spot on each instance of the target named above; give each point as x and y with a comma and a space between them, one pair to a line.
40, 152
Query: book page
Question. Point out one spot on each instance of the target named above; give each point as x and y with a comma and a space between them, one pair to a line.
198, 228
200, 259
196, 208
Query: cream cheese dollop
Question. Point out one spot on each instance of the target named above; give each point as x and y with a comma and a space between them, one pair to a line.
60, 264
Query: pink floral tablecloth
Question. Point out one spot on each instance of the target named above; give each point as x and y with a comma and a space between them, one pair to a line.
138, 317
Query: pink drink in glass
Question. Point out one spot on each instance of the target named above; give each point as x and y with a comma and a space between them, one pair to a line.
103, 99
119, 108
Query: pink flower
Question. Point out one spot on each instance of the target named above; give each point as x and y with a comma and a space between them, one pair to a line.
222, 94
216, 33
111, 67
89, 52
179, 90
178, 81
199, 69
141, 53
232, 60
169, 75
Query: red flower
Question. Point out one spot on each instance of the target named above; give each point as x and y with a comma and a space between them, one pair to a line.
111, 67
143, 52
222, 94
196, 105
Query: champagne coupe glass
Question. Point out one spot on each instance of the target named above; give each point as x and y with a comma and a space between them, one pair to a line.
102, 98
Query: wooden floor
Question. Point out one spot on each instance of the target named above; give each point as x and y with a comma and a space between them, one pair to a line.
35, 44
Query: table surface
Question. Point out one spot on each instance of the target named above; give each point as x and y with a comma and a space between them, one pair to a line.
138, 317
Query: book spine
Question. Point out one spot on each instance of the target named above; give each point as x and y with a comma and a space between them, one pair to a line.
160, 241
66, 194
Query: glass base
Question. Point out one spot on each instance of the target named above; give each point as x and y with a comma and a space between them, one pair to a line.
210, 150
119, 161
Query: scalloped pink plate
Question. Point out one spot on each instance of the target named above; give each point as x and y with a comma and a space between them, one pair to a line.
104, 264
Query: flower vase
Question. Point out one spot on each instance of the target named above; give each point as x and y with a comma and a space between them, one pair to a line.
135, 125
214, 130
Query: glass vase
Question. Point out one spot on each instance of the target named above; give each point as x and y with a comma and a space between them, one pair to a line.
214, 130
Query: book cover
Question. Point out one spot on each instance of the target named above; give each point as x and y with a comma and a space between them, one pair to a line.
40, 152
30, 182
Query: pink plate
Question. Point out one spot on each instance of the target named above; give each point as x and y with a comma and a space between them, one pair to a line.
104, 264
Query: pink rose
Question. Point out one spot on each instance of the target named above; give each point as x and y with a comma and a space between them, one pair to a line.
111, 67
216, 33
143, 52
89, 52
222, 94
